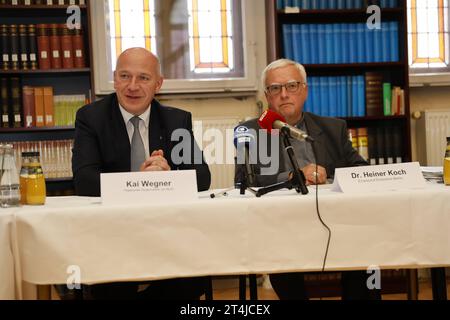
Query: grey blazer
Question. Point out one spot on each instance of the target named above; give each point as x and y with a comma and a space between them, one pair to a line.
333, 149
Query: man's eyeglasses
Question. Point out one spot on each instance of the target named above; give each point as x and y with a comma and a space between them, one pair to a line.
291, 86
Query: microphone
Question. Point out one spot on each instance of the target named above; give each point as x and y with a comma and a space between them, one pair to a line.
243, 139
271, 120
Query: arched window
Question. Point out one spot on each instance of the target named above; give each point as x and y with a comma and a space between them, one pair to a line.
194, 39
428, 37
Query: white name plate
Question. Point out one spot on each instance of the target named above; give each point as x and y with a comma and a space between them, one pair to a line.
148, 187
378, 178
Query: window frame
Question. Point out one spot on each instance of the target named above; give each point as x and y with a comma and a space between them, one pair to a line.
248, 83
428, 76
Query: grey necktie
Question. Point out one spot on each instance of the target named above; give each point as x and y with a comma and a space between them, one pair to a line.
137, 146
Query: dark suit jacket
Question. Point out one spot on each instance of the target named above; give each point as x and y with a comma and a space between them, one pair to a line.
102, 144
332, 147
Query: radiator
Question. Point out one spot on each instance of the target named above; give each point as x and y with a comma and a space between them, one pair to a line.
215, 138
433, 127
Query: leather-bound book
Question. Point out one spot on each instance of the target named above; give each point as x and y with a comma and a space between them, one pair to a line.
374, 93
32, 47
24, 47
43, 45
49, 113
39, 106
4, 101
14, 39
78, 47
55, 47
16, 102
5, 46
29, 118
66, 47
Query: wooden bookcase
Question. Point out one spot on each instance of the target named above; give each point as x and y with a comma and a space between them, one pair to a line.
63, 81
328, 284
394, 72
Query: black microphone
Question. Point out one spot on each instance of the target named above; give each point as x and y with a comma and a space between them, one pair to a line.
271, 120
243, 140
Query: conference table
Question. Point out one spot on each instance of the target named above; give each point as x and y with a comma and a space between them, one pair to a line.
7, 273
81, 238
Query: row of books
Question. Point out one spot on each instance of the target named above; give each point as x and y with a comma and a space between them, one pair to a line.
354, 96
288, 5
382, 98
42, 2
378, 145
41, 46
66, 107
36, 106
341, 43
342, 96
55, 156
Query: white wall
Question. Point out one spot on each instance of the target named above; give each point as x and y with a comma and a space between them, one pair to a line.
426, 98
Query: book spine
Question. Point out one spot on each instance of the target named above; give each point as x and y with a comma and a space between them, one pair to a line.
16, 103
4, 102
363, 146
43, 46
14, 38
78, 48
374, 94
32, 46
24, 48
29, 118
387, 99
49, 113
39, 106
6, 48
55, 47
66, 48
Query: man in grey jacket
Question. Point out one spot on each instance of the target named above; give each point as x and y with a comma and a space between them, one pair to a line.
286, 90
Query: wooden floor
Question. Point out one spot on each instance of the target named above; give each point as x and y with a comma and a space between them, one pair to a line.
230, 291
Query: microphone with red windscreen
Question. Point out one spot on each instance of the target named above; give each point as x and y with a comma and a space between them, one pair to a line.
271, 120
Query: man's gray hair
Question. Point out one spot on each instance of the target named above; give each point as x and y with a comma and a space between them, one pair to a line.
280, 63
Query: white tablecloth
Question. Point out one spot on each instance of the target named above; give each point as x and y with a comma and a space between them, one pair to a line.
7, 278
233, 235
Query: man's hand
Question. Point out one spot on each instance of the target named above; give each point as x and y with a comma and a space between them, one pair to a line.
156, 162
313, 177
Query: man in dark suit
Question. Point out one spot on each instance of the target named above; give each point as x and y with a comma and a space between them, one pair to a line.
105, 133
286, 91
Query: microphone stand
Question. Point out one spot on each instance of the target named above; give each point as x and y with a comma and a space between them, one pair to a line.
298, 180
247, 176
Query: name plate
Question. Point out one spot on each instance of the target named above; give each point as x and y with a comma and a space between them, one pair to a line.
156, 187
378, 178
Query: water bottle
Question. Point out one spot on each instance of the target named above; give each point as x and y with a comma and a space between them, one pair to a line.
447, 163
9, 183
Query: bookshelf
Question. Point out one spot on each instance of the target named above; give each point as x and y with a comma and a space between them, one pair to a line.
68, 79
288, 29
332, 59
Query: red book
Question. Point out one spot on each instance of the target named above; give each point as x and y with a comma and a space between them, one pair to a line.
43, 44
29, 117
55, 47
66, 47
78, 48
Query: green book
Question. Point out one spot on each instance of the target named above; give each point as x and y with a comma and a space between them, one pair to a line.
387, 99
